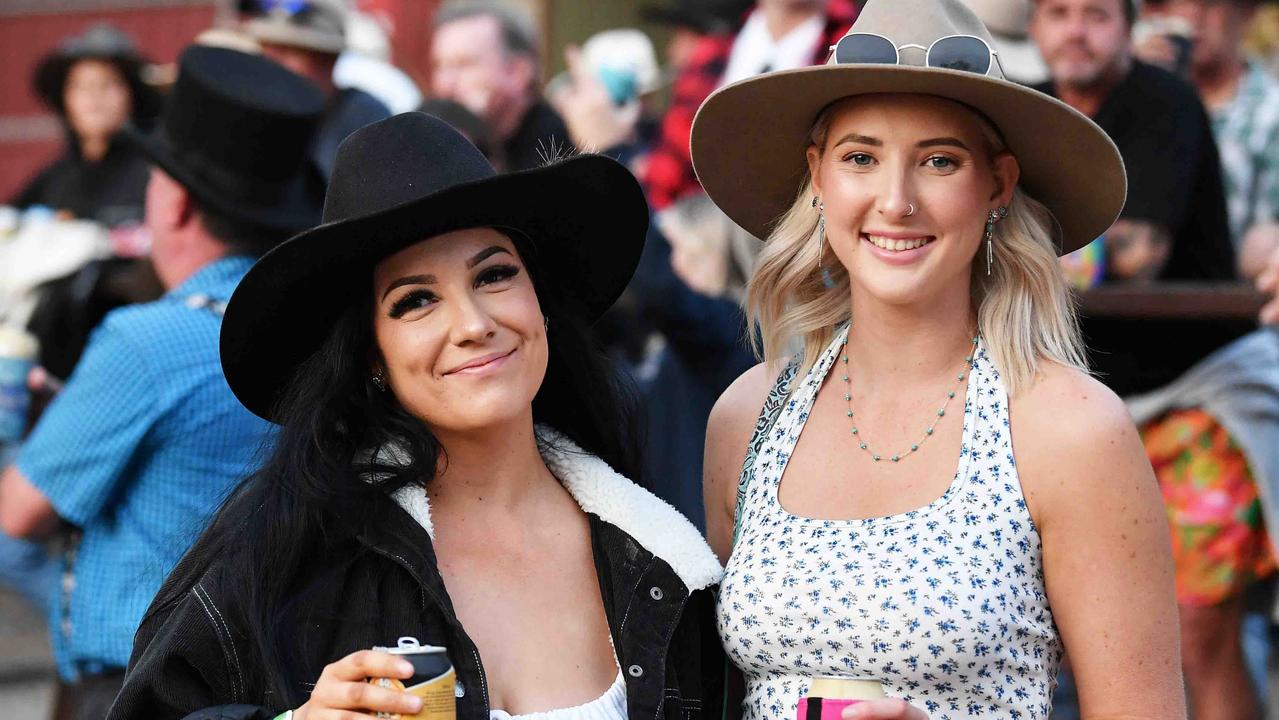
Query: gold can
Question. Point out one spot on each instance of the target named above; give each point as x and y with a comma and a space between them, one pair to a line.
434, 680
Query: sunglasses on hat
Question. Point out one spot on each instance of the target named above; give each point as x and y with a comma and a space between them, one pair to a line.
968, 53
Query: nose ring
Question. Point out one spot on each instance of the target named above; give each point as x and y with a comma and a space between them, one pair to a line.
911, 209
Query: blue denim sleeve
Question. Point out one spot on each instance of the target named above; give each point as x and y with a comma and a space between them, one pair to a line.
79, 451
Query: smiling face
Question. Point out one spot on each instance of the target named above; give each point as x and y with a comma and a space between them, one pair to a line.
883, 155
460, 331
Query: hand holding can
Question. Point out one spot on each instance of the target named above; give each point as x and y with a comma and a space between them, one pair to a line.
343, 686
433, 681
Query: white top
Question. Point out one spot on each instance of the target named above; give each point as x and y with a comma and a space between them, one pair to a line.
945, 604
609, 706
755, 49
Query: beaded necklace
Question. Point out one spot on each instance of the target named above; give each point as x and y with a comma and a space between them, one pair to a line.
928, 432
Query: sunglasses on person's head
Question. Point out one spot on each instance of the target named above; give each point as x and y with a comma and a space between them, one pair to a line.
266, 7
953, 52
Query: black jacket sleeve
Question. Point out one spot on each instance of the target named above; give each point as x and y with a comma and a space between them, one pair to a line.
187, 663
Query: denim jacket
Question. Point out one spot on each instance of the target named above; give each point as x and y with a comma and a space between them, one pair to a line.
656, 577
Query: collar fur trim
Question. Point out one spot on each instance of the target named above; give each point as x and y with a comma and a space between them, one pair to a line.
601, 490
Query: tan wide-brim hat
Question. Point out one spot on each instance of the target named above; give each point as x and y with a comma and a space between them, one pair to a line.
749, 138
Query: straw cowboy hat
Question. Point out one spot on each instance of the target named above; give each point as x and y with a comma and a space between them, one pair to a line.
405, 179
749, 138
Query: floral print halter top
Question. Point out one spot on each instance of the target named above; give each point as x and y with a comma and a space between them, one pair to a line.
944, 604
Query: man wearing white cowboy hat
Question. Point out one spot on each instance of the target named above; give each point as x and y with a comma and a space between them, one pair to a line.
307, 37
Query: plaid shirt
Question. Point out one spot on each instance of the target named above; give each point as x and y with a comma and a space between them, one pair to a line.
138, 450
669, 174
1247, 132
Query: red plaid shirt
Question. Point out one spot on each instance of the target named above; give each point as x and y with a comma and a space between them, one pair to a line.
669, 175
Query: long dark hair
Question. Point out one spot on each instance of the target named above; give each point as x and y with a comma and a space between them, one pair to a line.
329, 455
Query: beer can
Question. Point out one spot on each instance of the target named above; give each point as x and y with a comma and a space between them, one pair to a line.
18, 350
828, 695
434, 680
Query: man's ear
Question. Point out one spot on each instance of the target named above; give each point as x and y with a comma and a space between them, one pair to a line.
184, 206
168, 202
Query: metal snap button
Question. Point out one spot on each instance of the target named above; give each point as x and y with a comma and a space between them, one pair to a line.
635, 671
656, 593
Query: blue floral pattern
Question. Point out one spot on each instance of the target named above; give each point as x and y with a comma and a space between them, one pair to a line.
945, 604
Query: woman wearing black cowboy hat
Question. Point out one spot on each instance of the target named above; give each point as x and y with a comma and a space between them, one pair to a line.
94, 83
452, 465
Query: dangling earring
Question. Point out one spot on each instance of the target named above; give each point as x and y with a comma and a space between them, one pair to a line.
995, 216
827, 280
821, 228
380, 380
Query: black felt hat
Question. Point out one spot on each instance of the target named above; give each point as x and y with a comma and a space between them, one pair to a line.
406, 179
235, 132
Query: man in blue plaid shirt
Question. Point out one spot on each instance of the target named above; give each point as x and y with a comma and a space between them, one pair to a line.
146, 439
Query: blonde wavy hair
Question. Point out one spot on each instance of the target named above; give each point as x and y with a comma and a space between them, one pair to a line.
1025, 311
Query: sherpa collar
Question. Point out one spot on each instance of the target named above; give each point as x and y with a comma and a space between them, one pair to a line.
601, 490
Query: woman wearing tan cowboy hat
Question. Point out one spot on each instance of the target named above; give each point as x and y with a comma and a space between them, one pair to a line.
935, 493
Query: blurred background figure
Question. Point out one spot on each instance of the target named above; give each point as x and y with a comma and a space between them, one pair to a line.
1207, 449
366, 64
607, 95
486, 56
471, 126
146, 439
1009, 25
773, 35
94, 83
1242, 99
691, 20
307, 36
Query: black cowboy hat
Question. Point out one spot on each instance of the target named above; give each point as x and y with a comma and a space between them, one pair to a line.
406, 179
99, 42
235, 132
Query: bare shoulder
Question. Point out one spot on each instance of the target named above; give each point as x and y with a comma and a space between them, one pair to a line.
1068, 405
1074, 441
737, 409
728, 433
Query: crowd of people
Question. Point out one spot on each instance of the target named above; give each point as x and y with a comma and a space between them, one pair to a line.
315, 360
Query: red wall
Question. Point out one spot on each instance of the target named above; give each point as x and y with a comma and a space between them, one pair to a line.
28, 135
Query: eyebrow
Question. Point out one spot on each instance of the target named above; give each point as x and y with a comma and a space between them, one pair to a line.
861, 139
943, 141
876, 142
476, 259
485, 254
